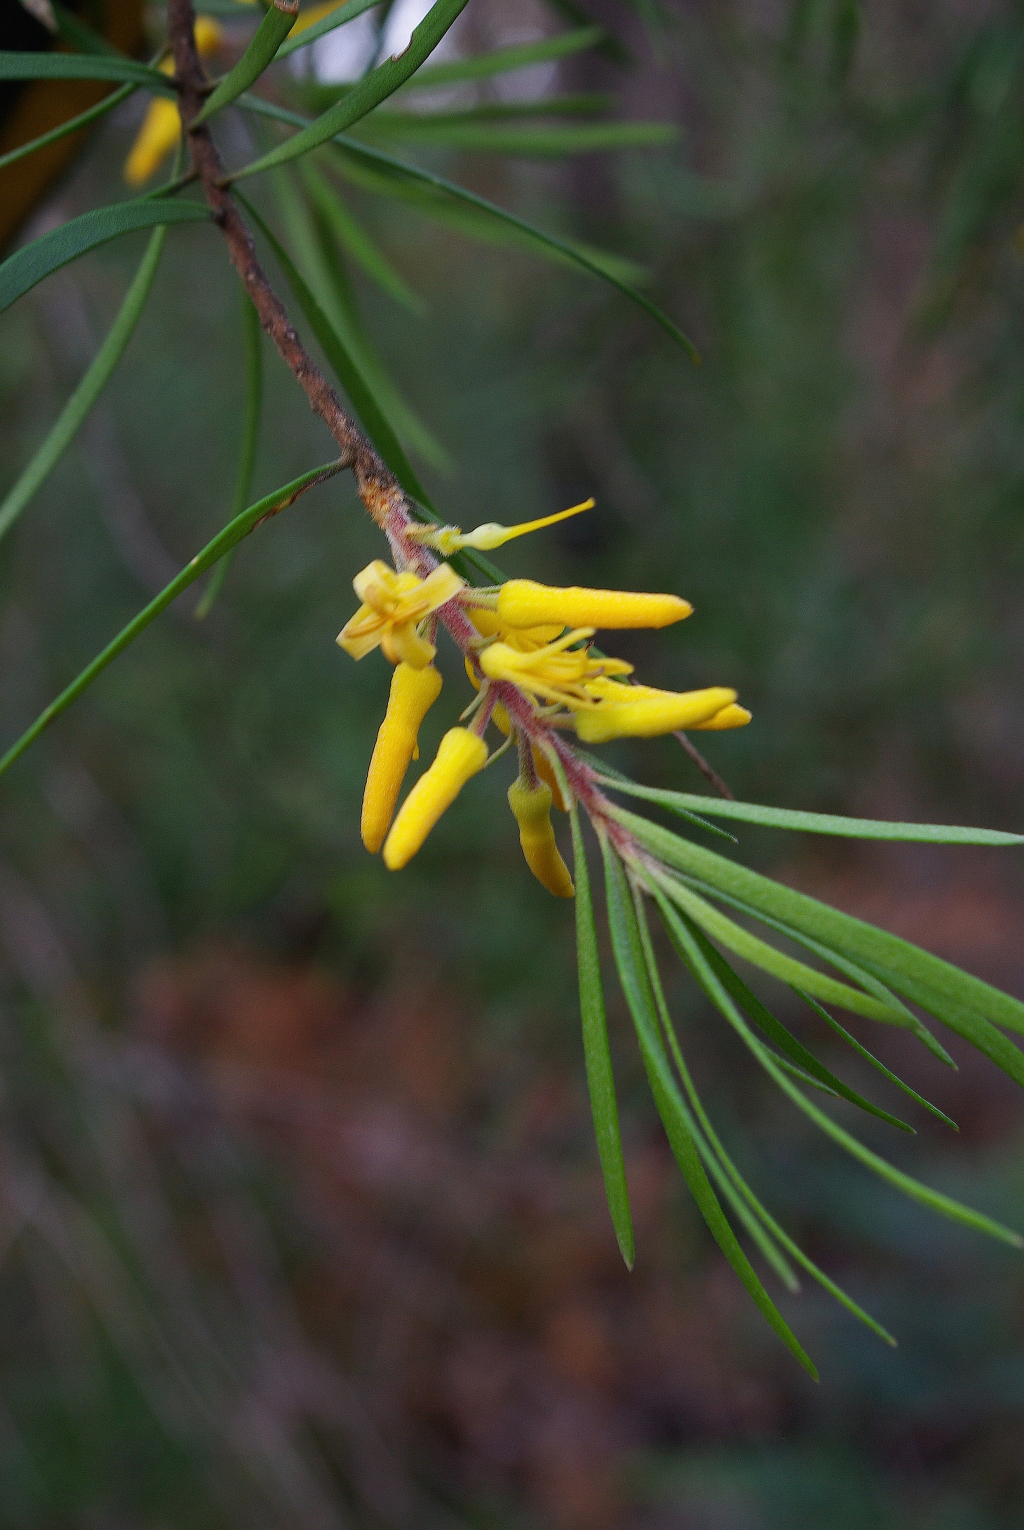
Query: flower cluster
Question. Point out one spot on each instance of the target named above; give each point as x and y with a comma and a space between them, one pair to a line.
529, 655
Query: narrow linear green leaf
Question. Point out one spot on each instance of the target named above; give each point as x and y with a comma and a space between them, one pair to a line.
322, 264
350, 232
875, 1062
776, 1031
587, 104
270, 33
723, 987
336, 18
901, 1017
714, 1165
784, 1040
33, 262
778, 1233
597, 1054
248, 446
758, 952
370, 91
73, 125
671, 1107
83, 66
820, 823
959, 1016
66, 426
525, 142
505, 60
896, 961
566, 249
351, 379
222, 543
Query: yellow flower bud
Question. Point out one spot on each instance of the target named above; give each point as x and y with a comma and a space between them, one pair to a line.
522, 603
413, 693
460, 755
542, 765
651, 713
532, 809
729, 717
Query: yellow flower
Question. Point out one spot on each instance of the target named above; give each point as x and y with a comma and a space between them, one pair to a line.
460, 755
554, 673
413, 693
393, 606
531, 806
645, 712
522, 603
161, 126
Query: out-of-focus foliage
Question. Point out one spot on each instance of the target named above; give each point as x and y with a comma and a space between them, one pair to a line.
264, 1259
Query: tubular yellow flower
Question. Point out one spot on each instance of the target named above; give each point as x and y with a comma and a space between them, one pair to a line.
551, 673
531, 806
651, 713
522, 603
413, 693
460, 755
729, 717
161, 126
393, 606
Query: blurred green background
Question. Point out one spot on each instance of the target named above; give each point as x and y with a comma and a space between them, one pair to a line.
301, 1218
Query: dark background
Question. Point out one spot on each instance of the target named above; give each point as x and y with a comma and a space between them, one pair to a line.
301, 1218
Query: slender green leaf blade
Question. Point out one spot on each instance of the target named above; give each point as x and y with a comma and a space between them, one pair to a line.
524, 142
597, 1054
723, 987
628, 951
83, 66
713, 1161
73, 125
351, 379
505, 60
896, 961
875, 1062
65, 428
588, 260
249, 444
270, 33
222, 543
335, 18
350, 232
752, 949
370, 92
783, 1039
33, 262
777, 1232
819, 823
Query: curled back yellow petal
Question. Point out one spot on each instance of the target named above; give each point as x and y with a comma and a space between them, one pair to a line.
651, 714
460, 755
729, 717
413, 693
531, 806
393, 606
522, 603
557, 672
